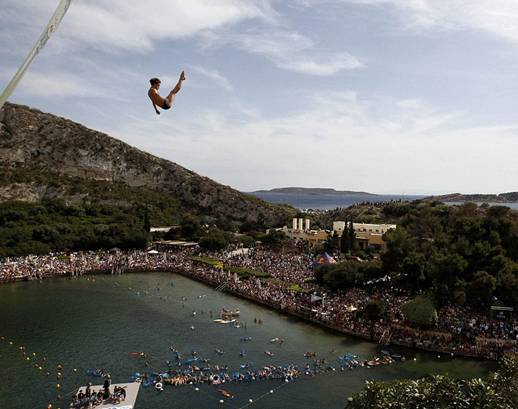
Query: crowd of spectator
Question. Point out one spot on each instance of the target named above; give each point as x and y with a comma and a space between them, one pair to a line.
459, 330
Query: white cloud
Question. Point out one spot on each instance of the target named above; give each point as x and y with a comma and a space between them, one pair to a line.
289, 50
136, 25
410, 103
339, 142
327, 65
57, 84
214, 76
495, 17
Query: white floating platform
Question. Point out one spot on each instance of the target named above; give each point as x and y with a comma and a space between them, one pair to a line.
132, 390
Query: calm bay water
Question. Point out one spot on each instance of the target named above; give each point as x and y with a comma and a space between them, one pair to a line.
97, 322
324, 202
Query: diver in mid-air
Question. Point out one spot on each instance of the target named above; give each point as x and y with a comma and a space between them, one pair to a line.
157, 100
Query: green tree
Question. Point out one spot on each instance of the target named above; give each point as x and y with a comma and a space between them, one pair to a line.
331, 243
374, 310
420, 311
345, 244
214, 240
274, 239
413, 269
190, 227
482, 288
496, 391
353, 244
147, 221
508, 288
399, 246
347, 274
246, 241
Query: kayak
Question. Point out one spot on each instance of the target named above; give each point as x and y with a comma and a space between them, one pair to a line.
225, 393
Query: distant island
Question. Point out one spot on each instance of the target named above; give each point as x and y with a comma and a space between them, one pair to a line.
510, 197
313, 191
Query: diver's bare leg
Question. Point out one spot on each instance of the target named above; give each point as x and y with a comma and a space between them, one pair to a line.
170, 98
178, 86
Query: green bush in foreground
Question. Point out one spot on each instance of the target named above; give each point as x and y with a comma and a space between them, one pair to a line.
498, 391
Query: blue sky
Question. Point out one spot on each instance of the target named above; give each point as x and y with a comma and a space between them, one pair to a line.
387, 96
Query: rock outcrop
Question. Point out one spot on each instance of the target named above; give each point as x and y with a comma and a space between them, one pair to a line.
37, 143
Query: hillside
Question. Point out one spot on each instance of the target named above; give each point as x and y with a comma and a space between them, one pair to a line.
313, 191
47, 157
510, 197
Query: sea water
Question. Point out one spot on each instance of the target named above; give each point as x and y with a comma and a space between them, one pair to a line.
99, 321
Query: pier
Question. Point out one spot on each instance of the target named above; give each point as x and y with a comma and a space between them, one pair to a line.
132, 390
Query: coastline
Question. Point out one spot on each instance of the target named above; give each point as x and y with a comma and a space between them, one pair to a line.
305, 315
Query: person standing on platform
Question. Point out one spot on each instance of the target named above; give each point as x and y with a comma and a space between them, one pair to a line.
106, 386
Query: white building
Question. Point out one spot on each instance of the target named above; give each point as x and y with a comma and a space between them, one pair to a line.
372, 228
338, 227
301, 224
367, 235
302, 231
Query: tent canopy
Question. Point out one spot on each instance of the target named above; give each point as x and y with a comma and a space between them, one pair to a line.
324, 258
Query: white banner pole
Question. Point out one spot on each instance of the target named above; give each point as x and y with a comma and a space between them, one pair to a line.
42, 40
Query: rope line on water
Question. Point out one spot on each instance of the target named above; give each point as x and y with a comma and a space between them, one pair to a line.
43, 367
271, 391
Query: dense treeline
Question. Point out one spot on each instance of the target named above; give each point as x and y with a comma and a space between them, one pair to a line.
164, 210
462, 254
497, 391
27, 228
347, 274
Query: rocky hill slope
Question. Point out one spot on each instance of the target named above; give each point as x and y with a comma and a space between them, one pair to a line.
510, 197
45, 157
